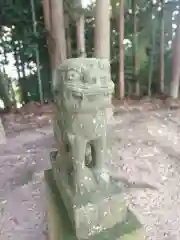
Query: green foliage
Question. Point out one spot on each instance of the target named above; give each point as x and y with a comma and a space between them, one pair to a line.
4, 90
145, 24
20, 40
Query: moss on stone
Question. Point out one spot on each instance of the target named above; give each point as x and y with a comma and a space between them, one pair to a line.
129, 229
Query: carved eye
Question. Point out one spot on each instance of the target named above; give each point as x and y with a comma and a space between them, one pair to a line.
72, 75
77, 96
103, 78
91, 98
84, 78
94, 79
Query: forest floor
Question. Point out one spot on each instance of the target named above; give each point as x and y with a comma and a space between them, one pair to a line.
144, 148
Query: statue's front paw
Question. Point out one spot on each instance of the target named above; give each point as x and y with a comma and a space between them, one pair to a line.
81, 189
101, 176
84, 182
78, 189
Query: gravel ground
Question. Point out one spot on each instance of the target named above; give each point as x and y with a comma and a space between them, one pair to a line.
144, 149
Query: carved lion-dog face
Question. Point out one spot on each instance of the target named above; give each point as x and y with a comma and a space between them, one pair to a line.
84, 83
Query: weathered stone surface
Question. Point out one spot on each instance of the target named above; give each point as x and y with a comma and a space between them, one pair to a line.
94, 211
82, 92
2, 134
60, 226
134, 235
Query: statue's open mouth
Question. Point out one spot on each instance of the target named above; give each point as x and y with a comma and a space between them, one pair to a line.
90, 89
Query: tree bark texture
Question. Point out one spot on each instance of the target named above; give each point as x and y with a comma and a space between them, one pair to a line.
54, 20
68, 36
161, 77
174, 86
121, 50
102, 29
80, 29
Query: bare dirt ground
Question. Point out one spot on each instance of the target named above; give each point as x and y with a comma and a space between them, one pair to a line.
144, 148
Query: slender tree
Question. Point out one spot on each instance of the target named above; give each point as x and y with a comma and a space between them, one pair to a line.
54, 20
102, 29
80, 35
33, 10
4, 94
68, 37
161, 79
48, 23
16, 59
58, 29
121, 49
21, 67
152, 48
151, 60
174, 86
134, 47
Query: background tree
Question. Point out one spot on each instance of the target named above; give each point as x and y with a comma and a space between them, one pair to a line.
80, 30
134, 48
161, 76
121, 52
102, 29
135, 42
174, 87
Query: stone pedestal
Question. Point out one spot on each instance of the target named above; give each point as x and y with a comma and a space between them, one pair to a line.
93, 211
61, 228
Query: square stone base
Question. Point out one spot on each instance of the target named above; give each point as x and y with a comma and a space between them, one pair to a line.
98, 209
60, 226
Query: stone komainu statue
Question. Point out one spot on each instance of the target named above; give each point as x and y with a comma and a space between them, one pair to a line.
82, 92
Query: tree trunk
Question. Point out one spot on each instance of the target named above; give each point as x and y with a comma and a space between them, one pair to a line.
68, 36
8, 85
47, 14
152, 51
3, 68
48, 23
21, 80
22, 63
80, 36
58, 30
23, 69
36, 50
9, 91
24, 90
5, 85
121, 50
17, 63
134, 48
4, 94
151, 60
174, 86
161, 80
54, 21
102, 29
